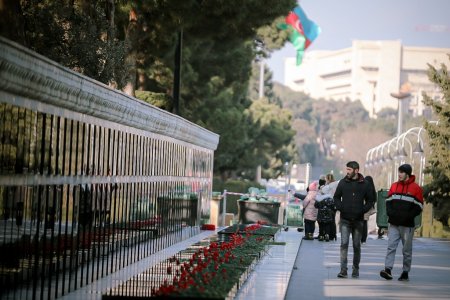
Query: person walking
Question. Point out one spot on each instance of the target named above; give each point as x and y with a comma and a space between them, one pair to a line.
403, 204
353, 198
367, 215
330, 188
322, 183
310, 212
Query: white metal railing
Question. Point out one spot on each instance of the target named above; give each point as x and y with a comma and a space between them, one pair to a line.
91, 180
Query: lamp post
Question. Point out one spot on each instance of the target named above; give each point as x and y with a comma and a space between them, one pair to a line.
337, 152
389, 161
260, 47
417, 150
400, 96
287, 180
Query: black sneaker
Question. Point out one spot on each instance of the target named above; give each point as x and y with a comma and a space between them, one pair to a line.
404, 276
355, 273
342, 274
386, 274
308, 237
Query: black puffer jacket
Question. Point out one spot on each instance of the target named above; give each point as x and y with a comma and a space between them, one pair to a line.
326, 211
353, 198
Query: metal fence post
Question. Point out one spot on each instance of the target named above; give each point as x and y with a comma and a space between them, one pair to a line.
224, 207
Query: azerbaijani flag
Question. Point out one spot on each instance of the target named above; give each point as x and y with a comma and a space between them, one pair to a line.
303, 31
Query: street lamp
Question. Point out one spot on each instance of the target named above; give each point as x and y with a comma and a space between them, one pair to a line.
287, 181
418, 149
333, 148
400, 96
401, 153
396, 154
260, 46
391, 158
286, 170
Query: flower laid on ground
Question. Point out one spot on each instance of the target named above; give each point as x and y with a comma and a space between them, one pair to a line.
208, 227
212, 271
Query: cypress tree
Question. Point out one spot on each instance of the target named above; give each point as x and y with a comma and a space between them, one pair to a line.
437, 191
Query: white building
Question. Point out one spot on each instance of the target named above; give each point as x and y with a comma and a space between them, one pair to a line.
369, 71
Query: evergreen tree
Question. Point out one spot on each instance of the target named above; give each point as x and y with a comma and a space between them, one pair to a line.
78, 34
437, 191
131, 45
272, 138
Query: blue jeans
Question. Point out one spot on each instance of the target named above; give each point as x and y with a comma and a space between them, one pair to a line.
355, 228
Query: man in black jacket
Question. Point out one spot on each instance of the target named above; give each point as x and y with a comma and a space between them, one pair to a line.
353, 198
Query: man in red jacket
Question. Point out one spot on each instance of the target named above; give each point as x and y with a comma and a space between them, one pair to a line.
404, 203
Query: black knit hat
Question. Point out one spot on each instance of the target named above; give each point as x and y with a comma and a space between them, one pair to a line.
405, 168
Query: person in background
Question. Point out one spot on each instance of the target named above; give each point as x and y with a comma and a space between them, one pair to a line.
331, 183
403, 204
326, 206
309, 211
353, 198
322, 183
300, 195
325, 216
367, 215
330, 188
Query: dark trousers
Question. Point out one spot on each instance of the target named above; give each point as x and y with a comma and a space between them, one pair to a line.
332, 231
327, 229
322, 230
364, 232
310, 226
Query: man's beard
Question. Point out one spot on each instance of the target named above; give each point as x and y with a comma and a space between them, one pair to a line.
351, 175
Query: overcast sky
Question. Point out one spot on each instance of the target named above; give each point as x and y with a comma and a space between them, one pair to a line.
415, 22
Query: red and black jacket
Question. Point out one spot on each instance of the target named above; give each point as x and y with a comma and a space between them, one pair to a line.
404, 202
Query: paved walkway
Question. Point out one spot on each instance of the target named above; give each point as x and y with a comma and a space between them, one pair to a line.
318, 264
270, 278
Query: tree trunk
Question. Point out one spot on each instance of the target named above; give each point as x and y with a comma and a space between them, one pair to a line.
131, 38
12, 21
142, 80
110, 9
